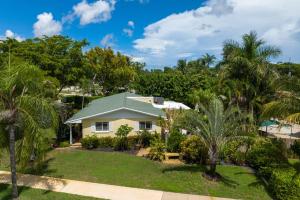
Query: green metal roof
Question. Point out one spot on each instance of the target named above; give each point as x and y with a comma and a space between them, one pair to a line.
113, 103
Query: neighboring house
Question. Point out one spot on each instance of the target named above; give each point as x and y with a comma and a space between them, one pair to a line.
103, 117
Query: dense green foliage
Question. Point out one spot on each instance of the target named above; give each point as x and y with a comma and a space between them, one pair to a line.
60, 57
121, 141
145, 138
193, 150
285, 183
174, 141
90, 142
157, 150
171, 85
111, 71
296, 148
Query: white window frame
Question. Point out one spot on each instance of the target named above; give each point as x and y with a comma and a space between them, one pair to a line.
151, 126
102, 131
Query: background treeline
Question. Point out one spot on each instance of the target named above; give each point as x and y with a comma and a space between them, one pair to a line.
244, 76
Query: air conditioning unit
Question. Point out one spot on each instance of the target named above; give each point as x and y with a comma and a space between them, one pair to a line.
159, 100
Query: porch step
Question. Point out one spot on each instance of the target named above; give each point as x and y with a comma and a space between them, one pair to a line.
76, 145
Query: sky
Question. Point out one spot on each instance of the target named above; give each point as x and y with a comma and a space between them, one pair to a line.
157, 32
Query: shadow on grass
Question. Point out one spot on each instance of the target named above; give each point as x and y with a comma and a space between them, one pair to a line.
185, 168
296, 166
200, 169
7, 190
42, 169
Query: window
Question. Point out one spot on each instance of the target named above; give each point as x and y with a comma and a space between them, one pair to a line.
102, 126
147, 125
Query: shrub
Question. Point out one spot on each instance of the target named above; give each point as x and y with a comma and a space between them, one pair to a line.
64, 144
121, 144
145, 138
267, 153
106, 142
157, 150
296, 148
90, 142
285, 183
193, 150
235, 151
133, 141
174, 141
123, 130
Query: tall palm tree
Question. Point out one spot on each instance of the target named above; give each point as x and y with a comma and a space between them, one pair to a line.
26, 116
248, 62
216, 128
207, 60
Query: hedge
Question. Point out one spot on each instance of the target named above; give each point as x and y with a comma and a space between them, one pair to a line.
285, 183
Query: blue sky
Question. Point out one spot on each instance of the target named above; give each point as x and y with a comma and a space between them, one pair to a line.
157, 32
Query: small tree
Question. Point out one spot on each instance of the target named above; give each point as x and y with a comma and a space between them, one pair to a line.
215, 126
121, 143
124, 130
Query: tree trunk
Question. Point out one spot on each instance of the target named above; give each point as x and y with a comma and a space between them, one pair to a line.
213, 156
13, 162
82, 103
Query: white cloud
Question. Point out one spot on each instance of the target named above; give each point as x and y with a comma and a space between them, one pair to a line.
131, 24
192, 33
10, 34
128, 32
46, 25
96, 12
108, 40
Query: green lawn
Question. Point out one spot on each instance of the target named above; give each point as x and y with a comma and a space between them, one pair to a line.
127, 170
30, 194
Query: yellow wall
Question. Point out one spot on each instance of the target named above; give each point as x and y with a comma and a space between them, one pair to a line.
115, 124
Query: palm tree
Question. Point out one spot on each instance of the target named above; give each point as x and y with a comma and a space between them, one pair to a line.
286, 104
207, 60
200, 96
26, 116
215, 126
248, 63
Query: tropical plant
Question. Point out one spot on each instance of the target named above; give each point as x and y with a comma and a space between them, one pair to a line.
215, 128
174, 140
193, 150
202, 96
157, 150
59, 56
28, 119
247, 66
111, 71
121, 142
207, 60
286, 104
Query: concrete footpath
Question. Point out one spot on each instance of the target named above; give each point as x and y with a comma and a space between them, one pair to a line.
97, 190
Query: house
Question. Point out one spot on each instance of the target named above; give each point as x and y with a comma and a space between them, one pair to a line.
102, 117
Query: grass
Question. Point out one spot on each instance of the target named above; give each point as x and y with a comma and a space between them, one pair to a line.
29, 194
127, 170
